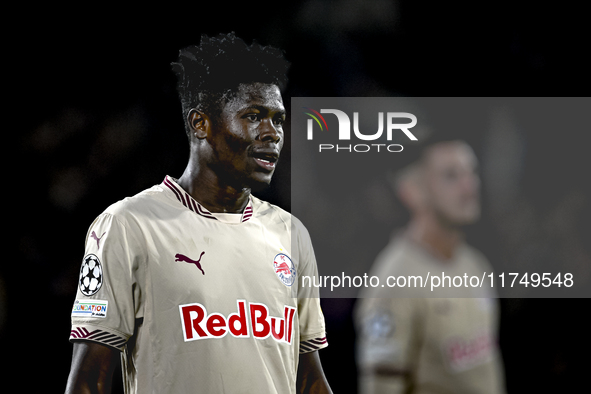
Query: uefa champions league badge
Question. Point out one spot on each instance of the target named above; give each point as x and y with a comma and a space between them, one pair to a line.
284, 269
91, 275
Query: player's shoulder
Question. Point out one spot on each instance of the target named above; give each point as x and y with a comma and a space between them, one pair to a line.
264, 208
266, 211
137, 205
400, 254
476, 257
271, 213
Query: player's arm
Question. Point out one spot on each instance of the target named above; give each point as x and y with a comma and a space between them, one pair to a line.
311, 379
385, 379
388, 342
92, 368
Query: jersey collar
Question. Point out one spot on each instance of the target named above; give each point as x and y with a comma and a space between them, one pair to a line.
192, 204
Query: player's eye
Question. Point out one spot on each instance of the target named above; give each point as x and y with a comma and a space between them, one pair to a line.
253, 117
279, 121
450, 175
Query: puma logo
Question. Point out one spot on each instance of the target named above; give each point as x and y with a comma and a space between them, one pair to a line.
98, 239
182, 257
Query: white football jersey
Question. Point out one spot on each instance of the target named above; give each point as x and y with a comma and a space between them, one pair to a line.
197, 302
412, 342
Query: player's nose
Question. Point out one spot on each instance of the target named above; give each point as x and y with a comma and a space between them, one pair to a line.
470, 184
268, 132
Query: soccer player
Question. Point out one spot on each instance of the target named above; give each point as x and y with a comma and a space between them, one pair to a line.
193, 283
409, 342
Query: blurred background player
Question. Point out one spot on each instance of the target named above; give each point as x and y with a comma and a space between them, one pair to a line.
407, 342
193, 282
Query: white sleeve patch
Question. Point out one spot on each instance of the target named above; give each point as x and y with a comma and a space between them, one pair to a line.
90, 308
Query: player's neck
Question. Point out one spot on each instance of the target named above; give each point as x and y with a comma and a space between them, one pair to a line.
206, 188
439, 239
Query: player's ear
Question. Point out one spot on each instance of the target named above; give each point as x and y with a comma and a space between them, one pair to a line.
198, 122
412, 194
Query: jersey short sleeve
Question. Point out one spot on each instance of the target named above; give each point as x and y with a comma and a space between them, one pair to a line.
311, 318
388, 336
108, 298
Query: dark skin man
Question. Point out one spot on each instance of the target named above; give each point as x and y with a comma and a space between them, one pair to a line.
230, 154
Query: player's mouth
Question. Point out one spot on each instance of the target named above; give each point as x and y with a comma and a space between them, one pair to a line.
266, 159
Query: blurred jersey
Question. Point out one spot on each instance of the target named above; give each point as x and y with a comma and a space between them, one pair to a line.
196, 301
409, 343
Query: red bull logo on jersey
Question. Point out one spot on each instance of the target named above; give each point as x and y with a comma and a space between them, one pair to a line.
284, 269
251, 319
466, 353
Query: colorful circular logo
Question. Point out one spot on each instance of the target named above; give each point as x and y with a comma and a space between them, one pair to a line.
284, 269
